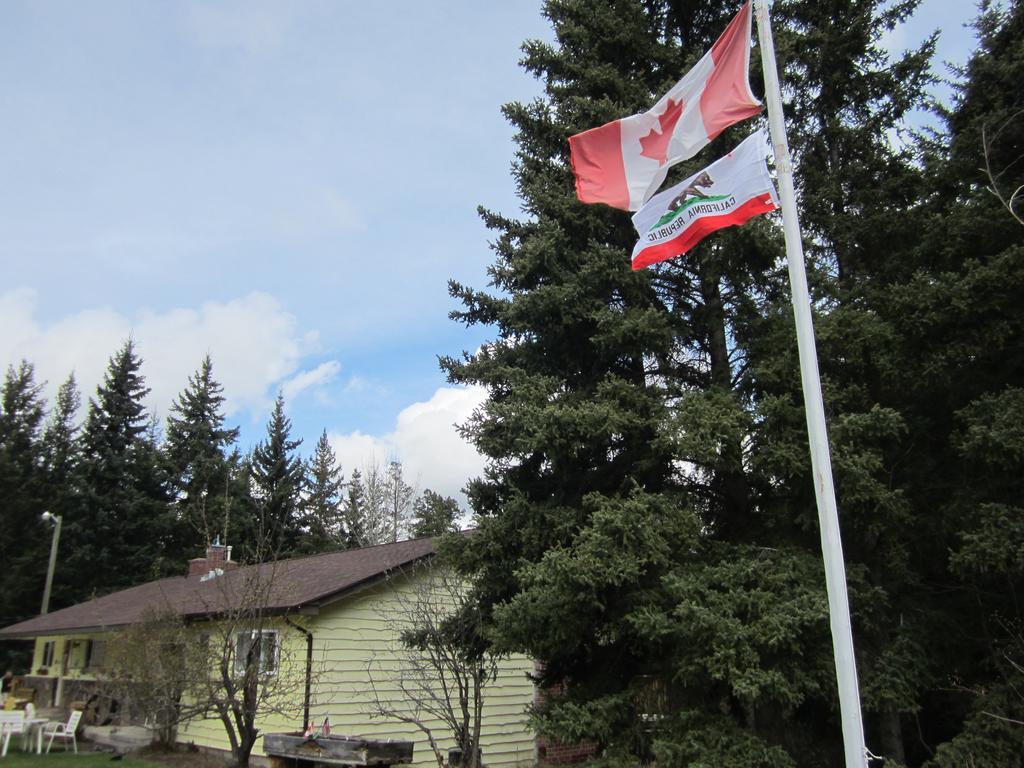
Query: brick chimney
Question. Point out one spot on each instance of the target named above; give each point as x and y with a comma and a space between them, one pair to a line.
218, 558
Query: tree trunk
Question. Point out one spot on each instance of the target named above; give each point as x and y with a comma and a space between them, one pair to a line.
891, 734
732, 481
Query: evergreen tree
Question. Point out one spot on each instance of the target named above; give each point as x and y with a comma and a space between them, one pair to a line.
580, 514
434, 515
959, 321
195, 451
322, 517
242, 521
355, 512
277, 484
62, 462
60, 448
843, 110
904, 247
647, 526
118, 534
25, 544
21, 417
860, 209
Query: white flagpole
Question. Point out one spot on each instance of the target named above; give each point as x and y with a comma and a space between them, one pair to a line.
821, 465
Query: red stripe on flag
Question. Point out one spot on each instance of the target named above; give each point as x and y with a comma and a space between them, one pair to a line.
597, 163
701, 228
727, 98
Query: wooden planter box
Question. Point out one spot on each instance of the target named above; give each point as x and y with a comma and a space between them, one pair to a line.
293, 749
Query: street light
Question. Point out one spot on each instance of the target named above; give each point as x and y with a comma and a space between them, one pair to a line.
54, 520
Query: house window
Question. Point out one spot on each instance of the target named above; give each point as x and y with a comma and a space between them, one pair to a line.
257, 645
95, 654
48, 652
76, 655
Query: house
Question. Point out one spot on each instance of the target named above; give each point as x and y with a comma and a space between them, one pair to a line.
331, 619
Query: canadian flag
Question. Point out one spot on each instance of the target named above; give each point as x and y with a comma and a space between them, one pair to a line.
623, 162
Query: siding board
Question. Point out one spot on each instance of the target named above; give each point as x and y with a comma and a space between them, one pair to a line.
353, 635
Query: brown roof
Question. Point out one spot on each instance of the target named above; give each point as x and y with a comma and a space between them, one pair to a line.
302, 582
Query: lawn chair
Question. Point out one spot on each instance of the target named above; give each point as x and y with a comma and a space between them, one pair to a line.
63, 731
11, 722
31, 723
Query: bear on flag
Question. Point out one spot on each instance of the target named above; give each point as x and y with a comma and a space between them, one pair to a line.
622, 163
727, 193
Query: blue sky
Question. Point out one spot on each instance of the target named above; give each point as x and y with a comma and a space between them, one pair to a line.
285, 185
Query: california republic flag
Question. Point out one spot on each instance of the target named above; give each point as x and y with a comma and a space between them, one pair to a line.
727, 193
623, 163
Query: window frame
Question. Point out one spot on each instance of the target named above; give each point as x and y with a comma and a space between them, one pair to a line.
95, 654
49, 653
268, 667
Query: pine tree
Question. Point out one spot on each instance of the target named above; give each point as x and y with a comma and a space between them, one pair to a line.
434, 515
195, 450
355, 512
118, 534
242, 521
843, 110
322, 517
60, 449
22, 410
959, 323
61, 462
860, 209
580, 515
277, 484
24, 545
647, 527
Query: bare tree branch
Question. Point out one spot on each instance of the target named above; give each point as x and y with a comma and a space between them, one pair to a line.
440, 678
233, 667
1004, 719
1017, 195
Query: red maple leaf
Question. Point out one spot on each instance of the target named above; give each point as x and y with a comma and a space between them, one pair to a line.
655, 145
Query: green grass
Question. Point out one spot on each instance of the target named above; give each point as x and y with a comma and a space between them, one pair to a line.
18, 759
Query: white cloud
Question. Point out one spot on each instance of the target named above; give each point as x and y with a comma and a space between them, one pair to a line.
256, 347
425, 440
314, 379
254, 343
357, 450
356, 384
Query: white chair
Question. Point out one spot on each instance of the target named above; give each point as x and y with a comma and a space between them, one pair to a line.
11, 722
26, 731
63, 731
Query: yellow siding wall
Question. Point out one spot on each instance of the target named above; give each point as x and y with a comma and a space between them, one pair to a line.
37, 655
350, 637
357, 637
285, 711
75, 646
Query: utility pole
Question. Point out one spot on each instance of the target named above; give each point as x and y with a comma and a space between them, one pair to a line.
54, 520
